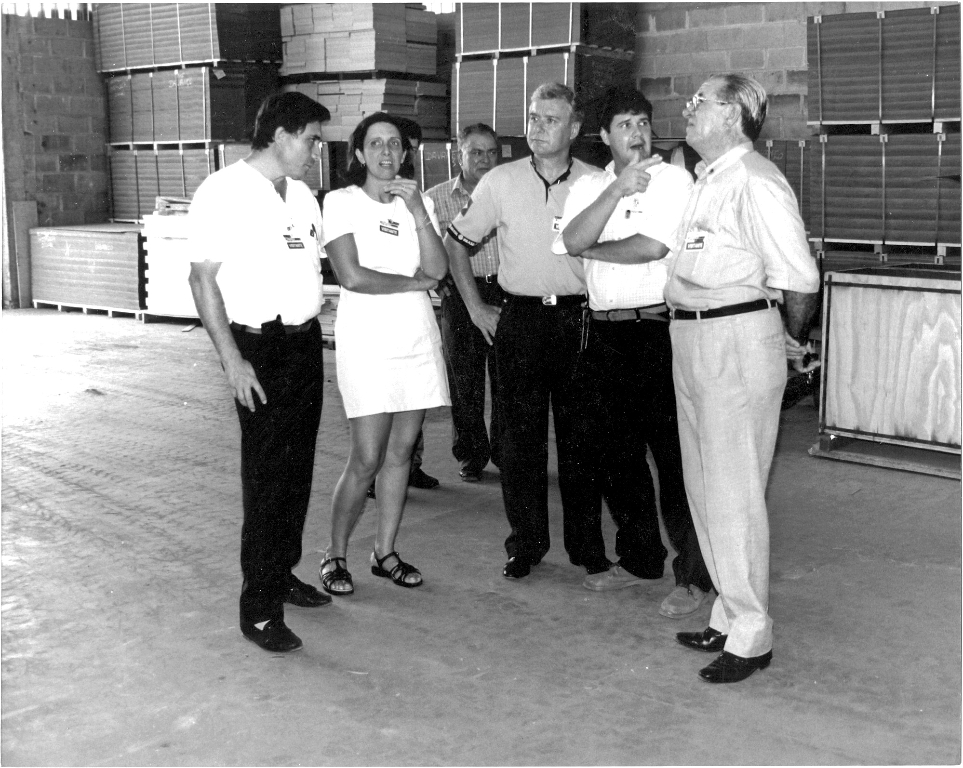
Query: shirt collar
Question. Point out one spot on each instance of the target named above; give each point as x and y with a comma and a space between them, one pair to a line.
459, 186
720, 163
559, 180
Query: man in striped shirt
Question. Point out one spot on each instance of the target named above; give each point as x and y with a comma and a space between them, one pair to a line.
467, 352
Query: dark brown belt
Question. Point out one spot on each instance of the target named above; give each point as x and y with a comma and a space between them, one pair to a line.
287, 328
486, 279
732, 309
652, 312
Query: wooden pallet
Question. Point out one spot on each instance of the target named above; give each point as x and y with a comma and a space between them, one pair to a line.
887, 455
88, 310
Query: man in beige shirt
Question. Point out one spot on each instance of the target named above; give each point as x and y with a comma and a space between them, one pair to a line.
741, 252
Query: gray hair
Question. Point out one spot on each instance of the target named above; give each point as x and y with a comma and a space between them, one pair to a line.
751, 98
557, 91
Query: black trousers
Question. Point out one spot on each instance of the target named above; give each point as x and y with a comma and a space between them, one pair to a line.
466, 356
628, 372
537, 352
277, 462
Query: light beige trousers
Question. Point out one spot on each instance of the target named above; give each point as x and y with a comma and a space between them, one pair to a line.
730, 373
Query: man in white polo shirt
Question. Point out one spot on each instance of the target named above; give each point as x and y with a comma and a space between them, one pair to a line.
256, 278
620, 221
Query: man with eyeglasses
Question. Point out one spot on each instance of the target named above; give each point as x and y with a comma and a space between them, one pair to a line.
465, 348
741, 251
536, 333
619, 221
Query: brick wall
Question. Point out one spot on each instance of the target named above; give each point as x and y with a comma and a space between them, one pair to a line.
59, 106
679, 44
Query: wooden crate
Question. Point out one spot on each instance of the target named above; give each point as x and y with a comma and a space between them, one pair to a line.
891, 358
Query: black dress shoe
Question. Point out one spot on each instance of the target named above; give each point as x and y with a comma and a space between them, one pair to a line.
729, 668
470, 473
419, 479
710, 640
305, 596
517, 568
274, 637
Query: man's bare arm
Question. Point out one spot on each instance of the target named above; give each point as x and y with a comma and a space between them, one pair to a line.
210, 308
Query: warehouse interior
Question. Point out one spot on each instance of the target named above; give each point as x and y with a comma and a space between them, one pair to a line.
120, 495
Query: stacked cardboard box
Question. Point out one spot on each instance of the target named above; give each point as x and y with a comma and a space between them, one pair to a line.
146, 35
350, 100
357, 37
496, 91
193, 104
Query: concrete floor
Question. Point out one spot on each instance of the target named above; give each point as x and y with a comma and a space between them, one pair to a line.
121, 518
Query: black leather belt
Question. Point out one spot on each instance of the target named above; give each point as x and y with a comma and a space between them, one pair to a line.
732, 309
651, 312
487, 279
287, 328
550, 301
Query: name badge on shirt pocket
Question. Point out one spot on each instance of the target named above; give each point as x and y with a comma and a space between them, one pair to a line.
695, 241
389, 227
294, 243
556, 224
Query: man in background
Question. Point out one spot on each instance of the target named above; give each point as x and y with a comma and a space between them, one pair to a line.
467, 353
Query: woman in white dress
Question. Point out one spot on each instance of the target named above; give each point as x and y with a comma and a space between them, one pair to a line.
382, 240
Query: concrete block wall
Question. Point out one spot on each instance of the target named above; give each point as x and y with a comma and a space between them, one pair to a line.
678, 45
55, 120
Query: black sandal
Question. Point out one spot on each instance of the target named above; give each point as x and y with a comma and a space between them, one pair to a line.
336, 574
399, 573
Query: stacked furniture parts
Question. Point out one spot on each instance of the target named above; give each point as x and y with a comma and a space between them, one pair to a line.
884, 88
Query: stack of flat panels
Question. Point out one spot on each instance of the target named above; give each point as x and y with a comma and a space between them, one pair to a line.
893, 66
491, 27
95, 266
181, 171
357, 37
436, 163
136, 35
350, 100
897, 189
193, 104
168, 264
497, 91
791, 158
432, 109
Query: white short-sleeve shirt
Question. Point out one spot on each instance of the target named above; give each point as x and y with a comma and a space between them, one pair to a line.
269, 248
655, 213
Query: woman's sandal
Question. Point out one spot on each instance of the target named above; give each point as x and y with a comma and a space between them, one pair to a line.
336, 574
399, 573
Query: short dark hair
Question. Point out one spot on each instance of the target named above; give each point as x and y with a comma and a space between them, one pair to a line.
622, 100
411, 133
356, 173
291, 111
470, 130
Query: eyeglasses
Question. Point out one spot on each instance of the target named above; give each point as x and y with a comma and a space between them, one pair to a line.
693, 104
